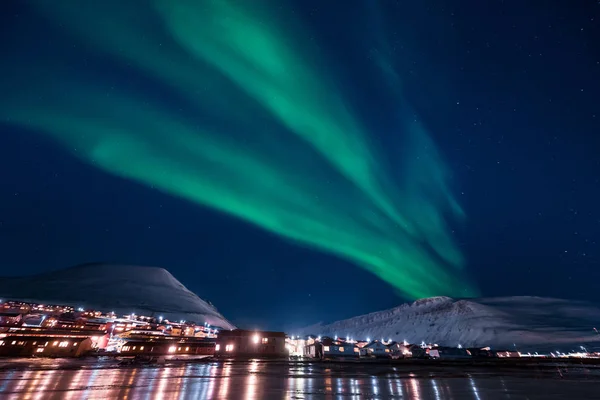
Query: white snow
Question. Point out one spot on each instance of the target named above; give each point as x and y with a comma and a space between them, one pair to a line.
123, 289
506, 322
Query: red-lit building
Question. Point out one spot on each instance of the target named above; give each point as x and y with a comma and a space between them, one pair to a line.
242, 343
10, 318
24, 342
168, 346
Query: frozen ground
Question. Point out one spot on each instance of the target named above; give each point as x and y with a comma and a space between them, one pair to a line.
282, 380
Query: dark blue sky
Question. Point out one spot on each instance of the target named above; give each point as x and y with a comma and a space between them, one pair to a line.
511, 93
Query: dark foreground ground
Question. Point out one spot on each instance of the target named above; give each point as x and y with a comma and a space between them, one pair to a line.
104, 379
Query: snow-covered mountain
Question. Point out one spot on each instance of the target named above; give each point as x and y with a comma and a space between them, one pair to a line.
123, 289
505, 321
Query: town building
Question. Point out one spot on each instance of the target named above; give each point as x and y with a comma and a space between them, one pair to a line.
328, 348
399, 350
25, 342
452, 353
506, 353
167, 346
375, 349
243, 343
418, 351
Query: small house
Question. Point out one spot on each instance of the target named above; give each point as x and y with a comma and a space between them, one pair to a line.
399, 350
449, 353
375, 349
417, 351
506, 353
328, 348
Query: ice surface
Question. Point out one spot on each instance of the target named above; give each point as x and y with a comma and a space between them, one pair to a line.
123, 289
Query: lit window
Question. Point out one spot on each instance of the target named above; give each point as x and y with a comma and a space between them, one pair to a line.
218, 347
172, 349
39, 349
134, 347
325, 348
341, 349
141, 348
229, 347
356, 350
63, 344
14, 342
265, 340
55, 343
179, 349
387, 350
187, 349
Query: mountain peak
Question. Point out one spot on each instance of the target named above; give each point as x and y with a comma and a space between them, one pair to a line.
504, 321
113, 287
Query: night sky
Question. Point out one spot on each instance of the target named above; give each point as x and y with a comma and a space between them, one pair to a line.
509, 92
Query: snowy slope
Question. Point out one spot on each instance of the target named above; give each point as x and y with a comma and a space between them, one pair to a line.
504, 322
120, 288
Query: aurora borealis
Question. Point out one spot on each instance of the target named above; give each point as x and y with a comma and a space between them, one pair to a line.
245, 117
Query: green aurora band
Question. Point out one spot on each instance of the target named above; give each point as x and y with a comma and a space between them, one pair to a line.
279, 146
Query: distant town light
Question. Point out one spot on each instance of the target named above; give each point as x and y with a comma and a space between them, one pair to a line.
255, 339
319, 338
460, 346
369, 340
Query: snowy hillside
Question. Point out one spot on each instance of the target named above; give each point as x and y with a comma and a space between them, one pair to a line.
120, 288
504, 321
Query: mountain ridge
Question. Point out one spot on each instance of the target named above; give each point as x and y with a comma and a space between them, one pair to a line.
517, 321
115, 287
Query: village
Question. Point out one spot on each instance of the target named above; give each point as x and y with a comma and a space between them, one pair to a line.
42, 330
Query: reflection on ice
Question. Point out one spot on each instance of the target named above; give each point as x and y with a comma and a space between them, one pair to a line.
279, 380
436, 391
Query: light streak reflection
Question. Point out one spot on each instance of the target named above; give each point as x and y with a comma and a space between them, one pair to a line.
244, 380
474, 388
436, 390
